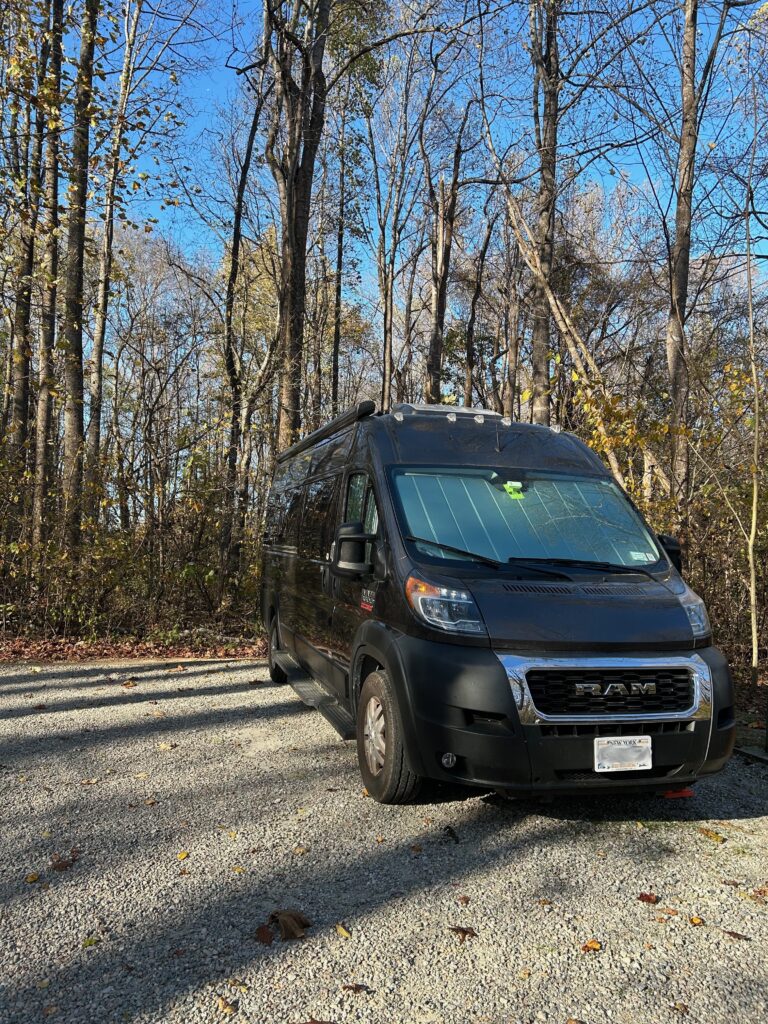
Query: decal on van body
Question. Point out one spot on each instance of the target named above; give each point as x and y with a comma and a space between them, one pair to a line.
367, 597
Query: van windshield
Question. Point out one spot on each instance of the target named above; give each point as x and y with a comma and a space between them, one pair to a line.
506, 514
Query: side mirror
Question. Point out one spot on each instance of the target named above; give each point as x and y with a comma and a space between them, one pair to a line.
671, 546
348, 553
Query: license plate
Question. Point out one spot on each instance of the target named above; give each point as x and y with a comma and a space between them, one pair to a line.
622, 753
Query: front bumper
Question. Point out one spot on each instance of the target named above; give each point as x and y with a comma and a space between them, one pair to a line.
461, 700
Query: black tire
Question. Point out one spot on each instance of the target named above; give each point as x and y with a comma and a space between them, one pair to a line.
276, 674
383, 767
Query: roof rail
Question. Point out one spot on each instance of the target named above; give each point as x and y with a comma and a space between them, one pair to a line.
442, 409
344, 419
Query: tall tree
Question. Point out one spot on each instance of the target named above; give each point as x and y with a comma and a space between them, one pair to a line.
73, 280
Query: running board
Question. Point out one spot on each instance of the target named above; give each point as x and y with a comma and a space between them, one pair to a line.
312, 694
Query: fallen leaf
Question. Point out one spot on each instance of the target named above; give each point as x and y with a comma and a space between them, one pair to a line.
592, 946
526, 972
129, 684
167, 746
292, 923
238, 869
342, 930
648, 945
60, 863
731, 881
238, 984
92, 940
696, 921
416, 848
225, 1007
32, 877
265, 935
300, 850
364, 792
89, 782
179, 668
670, 911
680, 1007
39, 707
737, 935
43, 983
355, 988
142, 775
463, 900
648, 897
182, 855
150, 801
711, 834
379, 839
462, 932
574, 1020
544, 902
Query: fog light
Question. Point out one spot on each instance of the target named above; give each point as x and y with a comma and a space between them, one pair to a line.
448, 760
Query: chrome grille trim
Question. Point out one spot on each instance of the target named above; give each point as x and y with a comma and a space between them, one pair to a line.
517, 666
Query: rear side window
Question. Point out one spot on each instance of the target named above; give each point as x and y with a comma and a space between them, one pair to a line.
318, 518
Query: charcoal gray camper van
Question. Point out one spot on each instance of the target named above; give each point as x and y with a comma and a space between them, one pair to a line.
476, 600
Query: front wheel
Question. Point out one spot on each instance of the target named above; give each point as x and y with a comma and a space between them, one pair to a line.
276, 673
380, 751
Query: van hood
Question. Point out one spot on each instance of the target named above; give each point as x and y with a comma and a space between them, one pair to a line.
586, 614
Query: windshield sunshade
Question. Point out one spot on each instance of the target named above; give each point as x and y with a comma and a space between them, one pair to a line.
504, 515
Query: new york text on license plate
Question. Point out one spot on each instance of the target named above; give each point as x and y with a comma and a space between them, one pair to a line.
622, 753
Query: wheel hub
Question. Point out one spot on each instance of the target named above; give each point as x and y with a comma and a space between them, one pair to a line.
375, 735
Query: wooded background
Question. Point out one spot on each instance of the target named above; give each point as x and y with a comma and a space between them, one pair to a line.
221, 224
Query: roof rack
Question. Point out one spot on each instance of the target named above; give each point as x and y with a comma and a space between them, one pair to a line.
458, 410
345, 419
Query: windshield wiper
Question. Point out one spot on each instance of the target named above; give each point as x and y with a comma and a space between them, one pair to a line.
494, 562
585, 563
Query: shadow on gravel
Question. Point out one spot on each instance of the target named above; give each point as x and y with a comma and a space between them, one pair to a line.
26, 747
69, 676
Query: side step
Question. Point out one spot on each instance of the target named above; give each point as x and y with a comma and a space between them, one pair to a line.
312, 694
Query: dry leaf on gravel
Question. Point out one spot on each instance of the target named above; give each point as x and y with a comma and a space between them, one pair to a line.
696, 921
39, 707
265, 935
167, 746
179, 668
92, 940
238, 869
574, 1020
129, 684
463, 900
737, 935
225, 1007
711, 834
355, 988
300, 850
342, 930
150, 801
669, 911
182, 854
61, 863
416, 849
462, 932
681, 1008
732, 882
592, 946
89, 782
292, 923
648, 897
32, 877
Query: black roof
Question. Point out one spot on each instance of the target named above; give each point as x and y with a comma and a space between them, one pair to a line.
451, 435
443, 435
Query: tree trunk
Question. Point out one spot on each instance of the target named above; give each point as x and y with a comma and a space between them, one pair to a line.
73, 285
546, 65
476, 293
679, 262
50, 287
96, 375
340, 228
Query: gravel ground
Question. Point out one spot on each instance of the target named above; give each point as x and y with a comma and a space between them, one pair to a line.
135, 764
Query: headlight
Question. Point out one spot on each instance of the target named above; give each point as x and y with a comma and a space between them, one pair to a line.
451, 610
696, 611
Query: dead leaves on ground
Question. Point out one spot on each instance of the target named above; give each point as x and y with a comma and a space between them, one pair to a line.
592, 946
710, 833
292, 924
342, 930
226, 1007
463, 932
648, 897
59, 862
356, 988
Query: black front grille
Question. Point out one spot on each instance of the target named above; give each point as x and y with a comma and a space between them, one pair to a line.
574, 691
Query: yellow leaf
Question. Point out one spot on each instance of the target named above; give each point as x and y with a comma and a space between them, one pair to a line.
182, 855
225, 1006
90, 941
342, 930
142, 775
592, 946
238, 869
232, 834
32, 877
711, 834
696, 921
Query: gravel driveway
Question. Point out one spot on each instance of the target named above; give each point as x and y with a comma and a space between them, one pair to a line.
201, 799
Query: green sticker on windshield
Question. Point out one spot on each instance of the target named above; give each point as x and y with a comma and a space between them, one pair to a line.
514, 489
